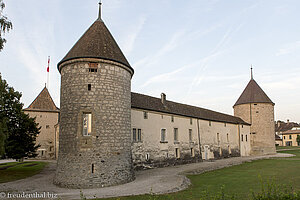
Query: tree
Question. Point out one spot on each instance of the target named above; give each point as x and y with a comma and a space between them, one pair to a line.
18, 131
5, 25
298, 140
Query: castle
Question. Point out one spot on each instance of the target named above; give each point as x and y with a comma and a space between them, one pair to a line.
106, 131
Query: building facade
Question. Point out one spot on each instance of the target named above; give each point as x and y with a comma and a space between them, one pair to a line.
46, 115
291, 137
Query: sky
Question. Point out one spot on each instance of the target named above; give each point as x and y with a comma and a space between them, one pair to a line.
197, 52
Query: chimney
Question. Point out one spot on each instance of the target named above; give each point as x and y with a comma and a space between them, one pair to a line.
163, 98
288, 121
278, 123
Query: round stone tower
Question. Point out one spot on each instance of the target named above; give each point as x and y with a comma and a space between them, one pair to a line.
256, 108
95, 113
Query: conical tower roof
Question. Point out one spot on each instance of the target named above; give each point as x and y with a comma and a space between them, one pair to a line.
253, 94
43, 102
96, 42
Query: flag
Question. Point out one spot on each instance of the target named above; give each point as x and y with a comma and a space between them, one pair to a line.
48, 64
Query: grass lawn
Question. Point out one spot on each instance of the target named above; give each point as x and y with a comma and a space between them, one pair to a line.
18, 170
286, 147
239, 180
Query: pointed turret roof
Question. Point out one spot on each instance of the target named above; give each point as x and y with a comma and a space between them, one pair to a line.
253, 94
43, 102
97, 42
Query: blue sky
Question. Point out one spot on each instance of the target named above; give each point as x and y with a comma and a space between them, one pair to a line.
198, 52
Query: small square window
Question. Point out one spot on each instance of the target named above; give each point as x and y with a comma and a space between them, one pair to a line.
191, 121
163, 135
134, 134
139, 135
224, 124
242, 138
47, 126
192, 152
190, 135
175, 134
87, 124
246, 138
290, 137
145, 115
177, 153
209, 123
172, 118
93, 67
89, 87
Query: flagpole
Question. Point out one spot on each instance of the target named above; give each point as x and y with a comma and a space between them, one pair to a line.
48, 72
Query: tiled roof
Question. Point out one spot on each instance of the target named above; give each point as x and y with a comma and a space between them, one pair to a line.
43, 102
290, 132
253, 94
145, 102
285, 126
96, 42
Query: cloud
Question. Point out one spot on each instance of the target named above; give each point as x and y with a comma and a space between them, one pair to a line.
170, 45
288, 48
130, 40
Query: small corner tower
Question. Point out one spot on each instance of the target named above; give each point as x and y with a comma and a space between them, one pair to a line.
257, 109
95, 120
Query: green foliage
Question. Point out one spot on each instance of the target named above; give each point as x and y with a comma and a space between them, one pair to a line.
5, 25
273, 191
18, 131
298, 140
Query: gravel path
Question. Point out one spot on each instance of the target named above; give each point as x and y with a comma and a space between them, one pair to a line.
158, 181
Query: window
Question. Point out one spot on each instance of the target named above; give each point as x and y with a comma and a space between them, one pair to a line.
177, 153
246, 138
283, 137
87, 124
163, 135
93, 168
93, 67
192, 152
47, 126
290, 137
145, 115
242, 126
255, 104
227, 137
218, 138
224, 124
139, 135
89, 87
175, 134
209, 123
190, 135
134, 134
147, 156
191, 121
172, 118
242, 138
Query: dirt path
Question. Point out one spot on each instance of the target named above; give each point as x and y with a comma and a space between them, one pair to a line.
161, 180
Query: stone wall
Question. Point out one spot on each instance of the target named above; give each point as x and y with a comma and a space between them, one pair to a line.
261, 118
151, 151
47, 120
104, 157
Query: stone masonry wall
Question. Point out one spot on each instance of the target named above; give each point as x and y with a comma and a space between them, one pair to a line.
103, 158
262, 126
47, 121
